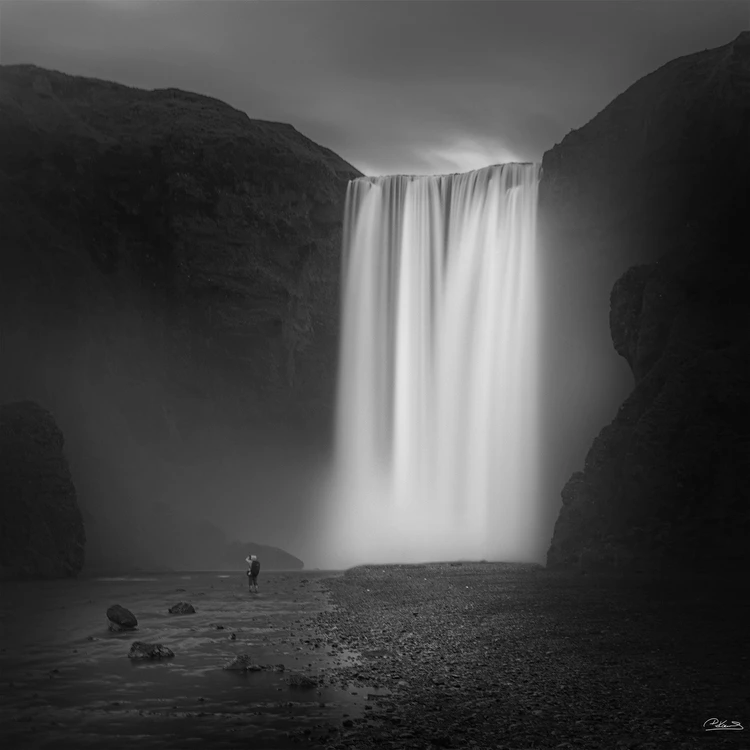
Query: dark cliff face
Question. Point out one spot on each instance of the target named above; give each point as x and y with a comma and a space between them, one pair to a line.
219, 235
169, 281
41, 528
662, 175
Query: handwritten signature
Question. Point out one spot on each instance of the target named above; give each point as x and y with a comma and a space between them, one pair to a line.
712, 725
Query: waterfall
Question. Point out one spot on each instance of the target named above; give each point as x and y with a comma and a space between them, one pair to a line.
436, 420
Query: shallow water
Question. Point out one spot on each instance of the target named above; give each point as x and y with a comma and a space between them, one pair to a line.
67, 681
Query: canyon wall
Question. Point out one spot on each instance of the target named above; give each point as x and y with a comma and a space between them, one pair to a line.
652, 194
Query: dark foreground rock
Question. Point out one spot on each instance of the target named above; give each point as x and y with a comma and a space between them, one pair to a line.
182, 608
141, 650
516, 657
121, 618
41, 527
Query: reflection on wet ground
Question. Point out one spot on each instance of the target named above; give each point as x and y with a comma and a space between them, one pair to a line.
67, 681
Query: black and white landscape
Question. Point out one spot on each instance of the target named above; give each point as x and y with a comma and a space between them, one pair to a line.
438, 309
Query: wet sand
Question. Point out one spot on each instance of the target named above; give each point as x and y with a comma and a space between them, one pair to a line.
68, 683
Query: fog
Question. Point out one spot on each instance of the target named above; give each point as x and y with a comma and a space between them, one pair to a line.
165, 475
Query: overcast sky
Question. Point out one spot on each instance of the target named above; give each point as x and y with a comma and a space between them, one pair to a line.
392, 86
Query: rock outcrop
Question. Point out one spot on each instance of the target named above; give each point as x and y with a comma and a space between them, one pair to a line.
41, 528
662, 174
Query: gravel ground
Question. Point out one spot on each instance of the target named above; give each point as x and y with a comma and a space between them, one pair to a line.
517, 657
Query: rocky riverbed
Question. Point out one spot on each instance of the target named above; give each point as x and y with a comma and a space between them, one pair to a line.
516, 657
470, 656
68, 681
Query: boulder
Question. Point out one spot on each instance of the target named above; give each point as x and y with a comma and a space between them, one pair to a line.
141, 650
182, 608
121, 618
41, 527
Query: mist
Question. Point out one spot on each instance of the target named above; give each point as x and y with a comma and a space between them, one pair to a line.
166, 478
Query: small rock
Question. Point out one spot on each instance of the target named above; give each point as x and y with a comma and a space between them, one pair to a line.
243, 663
121, 618
182, 608
140, 650
301, 681
232, 637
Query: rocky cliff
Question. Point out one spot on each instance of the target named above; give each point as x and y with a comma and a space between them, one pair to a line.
171, 218
168, 285
662, 175
41, 529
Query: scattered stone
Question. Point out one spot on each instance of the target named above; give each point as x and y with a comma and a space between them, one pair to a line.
121, 618
243, 663
299, 680
232, 637
182, 608
141, 650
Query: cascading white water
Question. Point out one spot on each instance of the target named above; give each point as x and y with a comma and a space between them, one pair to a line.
436, 435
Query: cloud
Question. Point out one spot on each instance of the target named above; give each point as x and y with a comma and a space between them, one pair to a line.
391, 86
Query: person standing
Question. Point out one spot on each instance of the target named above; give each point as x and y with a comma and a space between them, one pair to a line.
252, 572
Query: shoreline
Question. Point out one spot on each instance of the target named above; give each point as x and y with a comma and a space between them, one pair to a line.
68, 682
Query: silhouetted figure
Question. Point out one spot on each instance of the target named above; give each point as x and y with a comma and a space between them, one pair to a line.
252, 572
